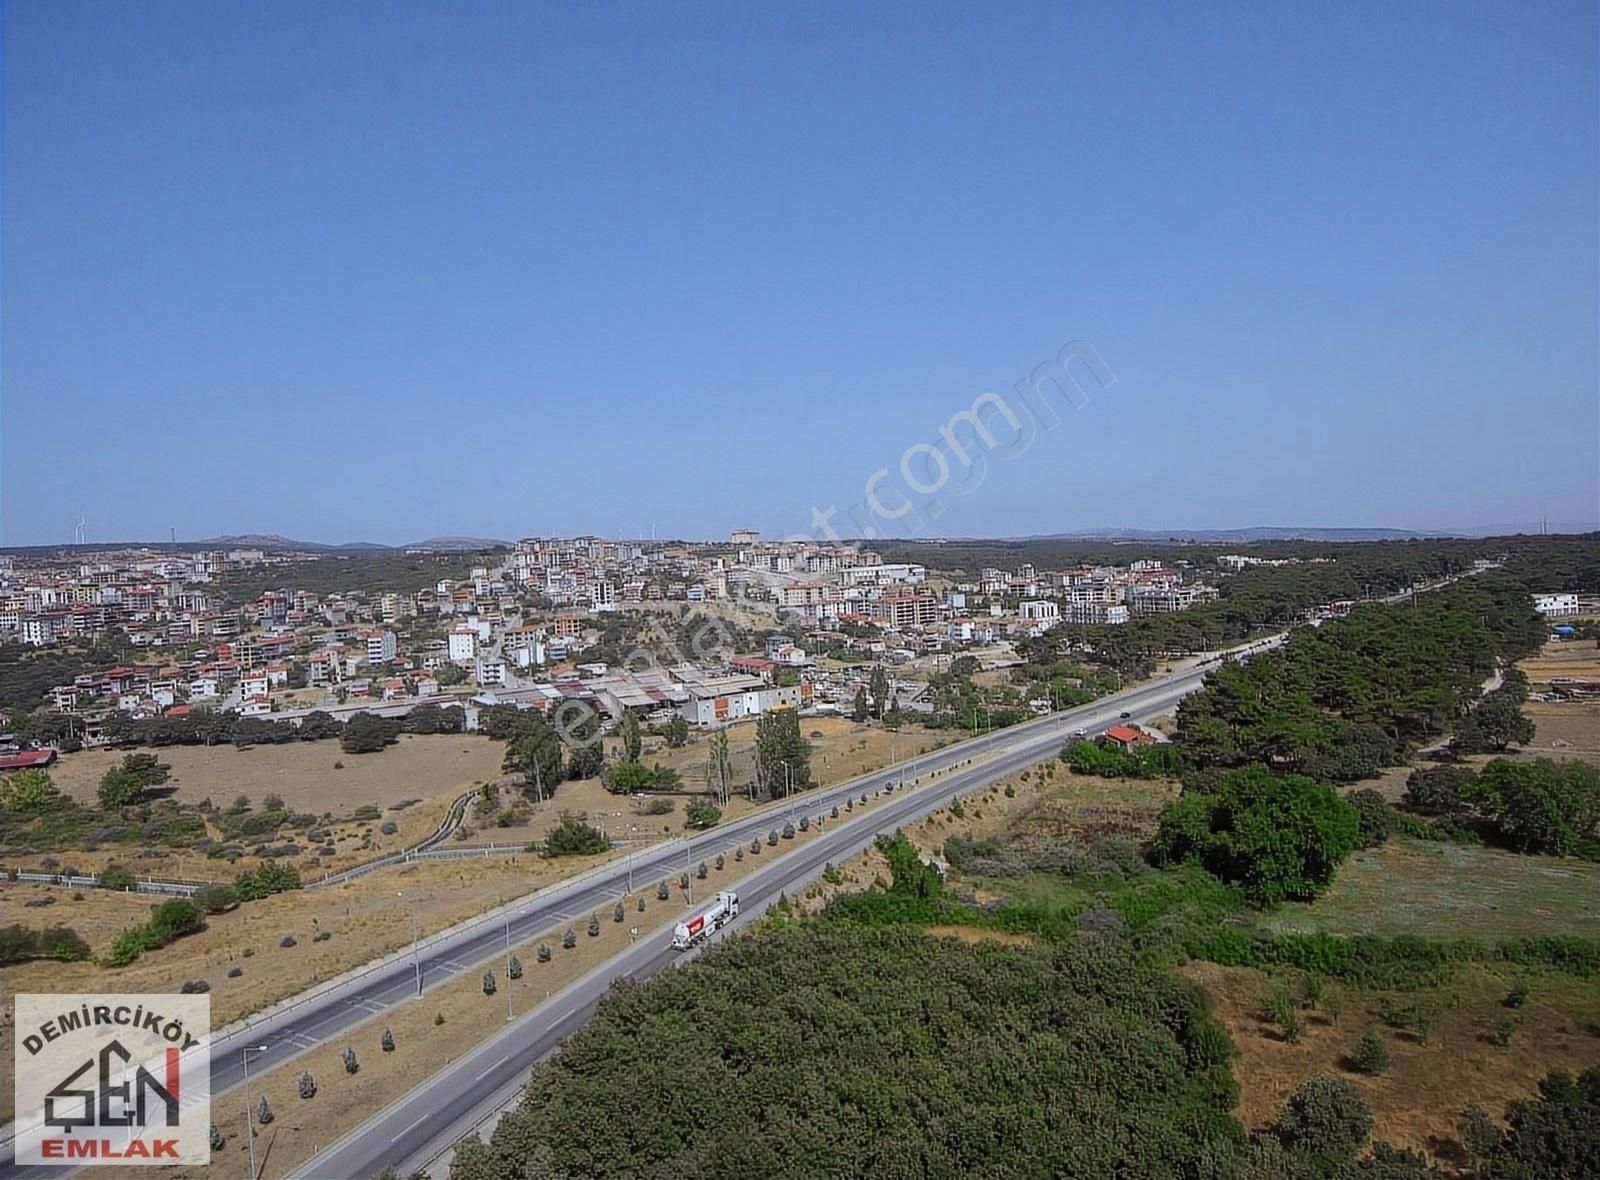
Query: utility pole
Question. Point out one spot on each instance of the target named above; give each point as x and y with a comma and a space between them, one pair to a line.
249, 1111
416, 961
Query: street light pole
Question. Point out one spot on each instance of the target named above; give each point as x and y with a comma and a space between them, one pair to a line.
249, 1111
416, 961
508, 966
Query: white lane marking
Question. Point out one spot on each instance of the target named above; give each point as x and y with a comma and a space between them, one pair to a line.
492, 1068
409, 1125
566, 1014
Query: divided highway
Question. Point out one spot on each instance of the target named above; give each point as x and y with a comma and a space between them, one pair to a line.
421, 1125
415, 1131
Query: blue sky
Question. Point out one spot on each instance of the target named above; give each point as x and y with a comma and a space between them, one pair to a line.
385, 271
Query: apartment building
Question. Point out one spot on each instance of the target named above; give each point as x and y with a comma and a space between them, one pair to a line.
904, 609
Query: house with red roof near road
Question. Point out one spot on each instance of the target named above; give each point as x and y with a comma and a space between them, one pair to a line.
1128, 737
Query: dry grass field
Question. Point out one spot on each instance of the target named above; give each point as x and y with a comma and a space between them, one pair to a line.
417, 767
1416, 1102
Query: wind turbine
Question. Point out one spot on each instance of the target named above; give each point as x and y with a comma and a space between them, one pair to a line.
78, 530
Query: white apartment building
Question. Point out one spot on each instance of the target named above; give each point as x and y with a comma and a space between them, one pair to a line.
1094, 613
1555, 606
490, 672
463, 645
381, 647
1040, 610
883, 575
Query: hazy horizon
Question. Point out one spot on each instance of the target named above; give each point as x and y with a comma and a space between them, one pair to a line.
359, 274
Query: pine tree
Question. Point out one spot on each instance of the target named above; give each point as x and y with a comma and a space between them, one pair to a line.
632, 741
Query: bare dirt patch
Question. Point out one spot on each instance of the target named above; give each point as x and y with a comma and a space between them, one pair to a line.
977, 934
1417, 1101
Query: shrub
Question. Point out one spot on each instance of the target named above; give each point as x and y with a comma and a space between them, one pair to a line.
322, 936
831, 874
738, 853
218, 1143
1326, 1117
488, 983
662, 892
772, 838
351, 1065
235, 971
1277, 837
788, 831
114, 876
388, 827
641, 903
263, 1112
1517, 996
20, 944
270, 877
438, 1019
365, 813
193, 987
574, 837
216, 899
805, 823
569, 939
721, 862
169, 921
288, 940
594, 925
1371, 1055
702, 871
700, 815
543, 954
683, 881
308, 1086
386, 1043
1374, 816
1505, 1028
1439, 790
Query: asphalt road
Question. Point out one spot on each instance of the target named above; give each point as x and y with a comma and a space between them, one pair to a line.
417, 1129
412, 1127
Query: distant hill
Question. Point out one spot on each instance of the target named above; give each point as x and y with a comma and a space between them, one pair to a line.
456, 544
274, 541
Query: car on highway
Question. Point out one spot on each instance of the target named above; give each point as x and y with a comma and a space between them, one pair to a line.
1125, 716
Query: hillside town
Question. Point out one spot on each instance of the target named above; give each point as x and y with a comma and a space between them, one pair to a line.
771, 625
515, 626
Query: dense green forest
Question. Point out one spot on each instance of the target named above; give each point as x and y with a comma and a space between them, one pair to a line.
829, 1050
854, 1044
1262, 598
1340, 701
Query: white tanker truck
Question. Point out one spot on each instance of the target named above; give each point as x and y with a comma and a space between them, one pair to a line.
724, 909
